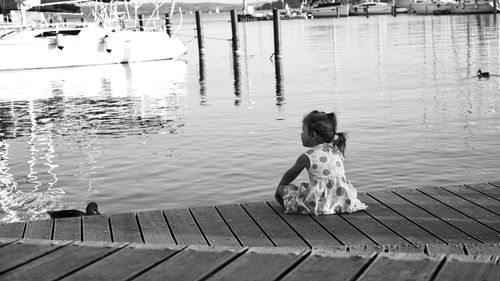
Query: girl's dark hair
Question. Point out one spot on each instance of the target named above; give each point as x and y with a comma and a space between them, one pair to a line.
325, 126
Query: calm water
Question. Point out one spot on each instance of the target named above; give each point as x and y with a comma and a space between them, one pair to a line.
171, 134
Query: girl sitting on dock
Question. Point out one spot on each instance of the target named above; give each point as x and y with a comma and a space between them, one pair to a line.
328, 191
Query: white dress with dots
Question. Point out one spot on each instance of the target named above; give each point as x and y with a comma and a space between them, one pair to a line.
328, 191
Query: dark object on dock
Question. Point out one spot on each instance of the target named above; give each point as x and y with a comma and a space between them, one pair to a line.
91, 210
481, 74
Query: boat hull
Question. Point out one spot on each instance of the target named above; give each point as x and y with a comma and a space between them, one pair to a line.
92, 46
429, 8
472, 8
359, 10
331, 11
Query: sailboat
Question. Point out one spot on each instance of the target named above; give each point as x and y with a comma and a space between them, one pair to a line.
111, 38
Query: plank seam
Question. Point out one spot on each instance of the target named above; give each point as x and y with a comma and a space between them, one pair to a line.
439, 267
258, 225
228, 226
388, 227
24, 230
92, 262
140, 228
222, 265
146, 269
369, 238
52, 229
294, 265
81, 229
328, 231
442, 240
364, 268
470, 235
289, 225
444, 187
469, 186
458, 210
494, 184
10, 242
111, 229
169, 227
34, 258
199, 227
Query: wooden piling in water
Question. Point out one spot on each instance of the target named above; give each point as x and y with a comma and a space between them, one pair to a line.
167, 24
366, 11
234, 29
141, 23
495, 7
277, 37
199, 33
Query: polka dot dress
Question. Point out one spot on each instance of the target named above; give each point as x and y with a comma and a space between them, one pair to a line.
328, 191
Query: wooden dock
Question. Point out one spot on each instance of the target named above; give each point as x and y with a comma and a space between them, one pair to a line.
66, 260
420, 229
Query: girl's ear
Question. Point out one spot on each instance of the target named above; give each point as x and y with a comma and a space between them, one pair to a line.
313, 134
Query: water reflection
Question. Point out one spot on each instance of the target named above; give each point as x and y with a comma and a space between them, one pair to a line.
78, 107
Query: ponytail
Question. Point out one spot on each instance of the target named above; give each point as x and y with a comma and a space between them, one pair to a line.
341, 140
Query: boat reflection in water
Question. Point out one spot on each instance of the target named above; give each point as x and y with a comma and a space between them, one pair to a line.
42, 110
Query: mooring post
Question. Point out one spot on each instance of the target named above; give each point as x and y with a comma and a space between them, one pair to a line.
366, 11
277, 37
495, 6
394, 9
338, 12
234, 29
199, 33
141, 23
167, 24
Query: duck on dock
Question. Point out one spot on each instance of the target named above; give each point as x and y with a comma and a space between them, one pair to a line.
90, 211
481, 74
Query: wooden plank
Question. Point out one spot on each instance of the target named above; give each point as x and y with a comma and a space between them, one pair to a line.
307, 228
41, 229
124, 228
12, 230
125, 263
486, 188
23, 251
475, 197
7, 241
96, 228
328, 265
461, 267
192, 263
57, 264
245, 229
483, 249
473, 228
343, 231
260, 264
154, 228
373, 228
430, 223
275, 228
184, 227
435, 249
402, 266
399, 224
68, 229
472, 210
213, 226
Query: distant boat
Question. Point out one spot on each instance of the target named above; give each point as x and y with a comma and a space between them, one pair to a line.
371, 7
327, 8
106, 41
432, 7
473, 7
217, 10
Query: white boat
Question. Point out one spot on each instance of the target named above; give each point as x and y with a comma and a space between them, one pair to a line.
432, 7
473, 7
328, 8
371, 7
106, 41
